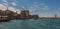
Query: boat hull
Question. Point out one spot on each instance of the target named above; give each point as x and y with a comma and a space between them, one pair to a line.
4, 20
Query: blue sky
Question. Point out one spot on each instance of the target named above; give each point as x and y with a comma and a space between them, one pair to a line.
44, 8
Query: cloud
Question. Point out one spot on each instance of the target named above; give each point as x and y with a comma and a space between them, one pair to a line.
35, 2
3, 7
42, 4
14, 9
23, 7
4, 0
13, 3
38, 7
5, 4
32, 9
45, 8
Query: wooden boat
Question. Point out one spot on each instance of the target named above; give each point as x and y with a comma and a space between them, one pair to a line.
4, 18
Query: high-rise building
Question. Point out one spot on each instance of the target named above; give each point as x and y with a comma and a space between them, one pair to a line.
55, 15
35, 16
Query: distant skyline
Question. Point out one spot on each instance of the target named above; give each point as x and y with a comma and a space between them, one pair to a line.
44, 8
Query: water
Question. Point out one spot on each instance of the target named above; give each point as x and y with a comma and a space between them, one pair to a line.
31, 24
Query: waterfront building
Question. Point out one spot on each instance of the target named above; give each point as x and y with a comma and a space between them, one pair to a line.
18, 16
8, 13
35, 16
15, 15
1, 12
25, 13
3, 16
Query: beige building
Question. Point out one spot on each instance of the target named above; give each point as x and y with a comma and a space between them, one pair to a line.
24, 13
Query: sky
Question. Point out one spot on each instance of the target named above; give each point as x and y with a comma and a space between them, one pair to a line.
44, 8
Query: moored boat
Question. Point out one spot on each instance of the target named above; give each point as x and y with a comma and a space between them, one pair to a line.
4, 18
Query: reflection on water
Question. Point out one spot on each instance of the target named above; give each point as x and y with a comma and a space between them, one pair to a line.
31, 24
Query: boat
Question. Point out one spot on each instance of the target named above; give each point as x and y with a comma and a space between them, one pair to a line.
4, 18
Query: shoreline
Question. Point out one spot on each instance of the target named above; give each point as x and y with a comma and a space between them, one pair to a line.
26, 19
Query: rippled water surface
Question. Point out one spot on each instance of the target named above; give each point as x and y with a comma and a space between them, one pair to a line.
31, 24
